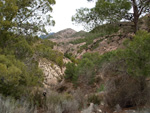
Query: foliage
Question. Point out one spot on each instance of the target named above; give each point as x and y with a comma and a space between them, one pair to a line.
126, 91
100, 31
19, 67
84, 70
103, 11
134, 59
87, 68
44, 49
19, 70
79, 34
138, 50
127, 71
107, 29
96, 44
71, 57
70, 72
26, 16
94, 99
102, 88
88, 38
15, 77
20, 47
110, 11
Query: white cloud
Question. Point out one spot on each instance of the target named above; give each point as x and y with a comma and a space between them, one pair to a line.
63, 10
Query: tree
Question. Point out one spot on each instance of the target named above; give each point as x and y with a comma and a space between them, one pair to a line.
127, 72
25, 16
70, 72
111, 11
16, 77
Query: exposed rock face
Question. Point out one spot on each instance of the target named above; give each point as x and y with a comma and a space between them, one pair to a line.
108, 45
51, 71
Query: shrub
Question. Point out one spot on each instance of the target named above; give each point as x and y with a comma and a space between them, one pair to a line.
102, 88
86, 68
94, 99
61, 103
127, 71
18, 47
9, 105
70, 72
45, 51
15, 78
126, 91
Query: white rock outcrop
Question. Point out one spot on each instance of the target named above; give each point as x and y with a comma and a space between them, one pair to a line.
52, 72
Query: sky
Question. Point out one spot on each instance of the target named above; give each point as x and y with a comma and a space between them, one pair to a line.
63, 10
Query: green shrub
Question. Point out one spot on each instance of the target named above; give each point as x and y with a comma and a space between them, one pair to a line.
70, 72
127, 71
14, 77
94, 99
18, 47
85, 70
106, 29
97, 32
102, 88
43, 50
71, 57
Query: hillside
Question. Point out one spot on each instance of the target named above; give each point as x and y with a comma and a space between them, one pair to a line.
101, 39
106, 70
99, 62
66, 33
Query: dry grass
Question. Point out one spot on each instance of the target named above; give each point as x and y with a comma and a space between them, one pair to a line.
60, 103
9, 105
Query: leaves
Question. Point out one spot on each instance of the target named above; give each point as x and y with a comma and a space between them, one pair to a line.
111, 11
103, 12
25, 16
14, 74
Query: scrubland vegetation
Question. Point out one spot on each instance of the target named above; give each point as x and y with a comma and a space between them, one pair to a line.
116, 78
124, 72
96, 33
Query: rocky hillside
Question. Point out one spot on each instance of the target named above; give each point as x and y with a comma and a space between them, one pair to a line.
52, 72
63, 39
101, 39
66, 33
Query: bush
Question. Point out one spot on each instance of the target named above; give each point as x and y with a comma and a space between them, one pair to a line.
9, 105
126, 73
15, 78
18, 47
106, 29
94, 99
70, 72
45, 51
61, 103
126, 91
86, 69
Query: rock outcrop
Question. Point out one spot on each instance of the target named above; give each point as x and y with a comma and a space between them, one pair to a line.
51, 71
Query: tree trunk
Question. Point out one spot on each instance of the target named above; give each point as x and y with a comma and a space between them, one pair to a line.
136, 24
136, 15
